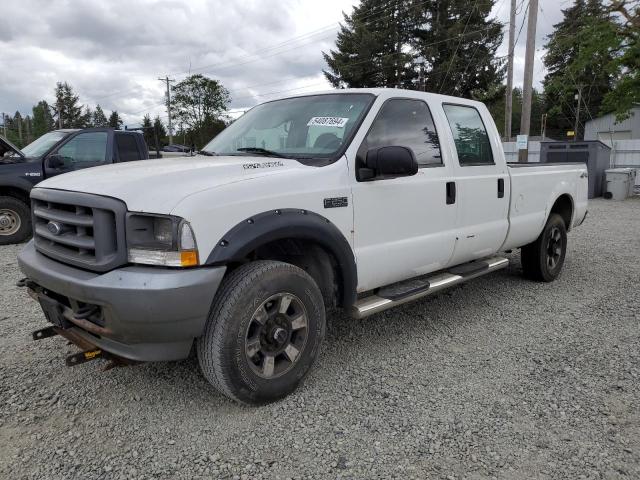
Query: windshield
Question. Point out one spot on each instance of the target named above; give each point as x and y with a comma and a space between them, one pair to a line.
44, 143
313, 127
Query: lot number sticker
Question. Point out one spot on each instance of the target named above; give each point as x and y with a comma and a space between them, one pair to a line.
339, 122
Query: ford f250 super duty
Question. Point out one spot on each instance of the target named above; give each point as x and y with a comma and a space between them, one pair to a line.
51, 154
359, 199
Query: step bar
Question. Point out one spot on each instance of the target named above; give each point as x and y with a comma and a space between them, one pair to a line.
375, 303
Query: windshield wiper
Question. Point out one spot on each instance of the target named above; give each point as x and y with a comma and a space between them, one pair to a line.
261, 151
208, 154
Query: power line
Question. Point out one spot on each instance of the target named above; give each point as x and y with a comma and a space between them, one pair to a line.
458, 46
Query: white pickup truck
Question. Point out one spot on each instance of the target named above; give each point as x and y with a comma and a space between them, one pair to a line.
361, 199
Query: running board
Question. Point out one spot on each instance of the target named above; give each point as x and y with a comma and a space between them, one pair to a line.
413, 289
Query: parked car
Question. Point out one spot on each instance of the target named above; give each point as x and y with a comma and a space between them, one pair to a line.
176, 148
360, 199
56, 152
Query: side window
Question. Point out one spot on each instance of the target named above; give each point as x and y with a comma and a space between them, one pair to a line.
470, 135
85, 150
406, 123
127, 147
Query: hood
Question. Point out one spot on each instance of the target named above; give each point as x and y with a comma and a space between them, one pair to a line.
7, 146
158, 185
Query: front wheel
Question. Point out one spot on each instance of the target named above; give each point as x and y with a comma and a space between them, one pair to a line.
264, 332
543, 259
15, 221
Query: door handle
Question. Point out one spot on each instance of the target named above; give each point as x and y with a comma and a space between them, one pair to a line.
501, 188
451, 193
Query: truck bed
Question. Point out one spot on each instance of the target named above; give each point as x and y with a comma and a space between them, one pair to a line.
534, 189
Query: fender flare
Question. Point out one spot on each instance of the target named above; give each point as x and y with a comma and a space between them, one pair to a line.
274, 225
21, 185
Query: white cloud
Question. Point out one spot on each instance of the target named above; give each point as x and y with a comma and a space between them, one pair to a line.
113, 52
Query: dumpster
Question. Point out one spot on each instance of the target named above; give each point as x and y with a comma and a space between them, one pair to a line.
592, 152
619, 183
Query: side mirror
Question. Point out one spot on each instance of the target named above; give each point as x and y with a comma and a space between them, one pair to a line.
55, 161
389, 162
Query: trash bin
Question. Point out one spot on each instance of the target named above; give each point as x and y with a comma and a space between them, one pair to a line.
619, 183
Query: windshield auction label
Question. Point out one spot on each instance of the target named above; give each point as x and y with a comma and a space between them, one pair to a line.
339, 122
253, 166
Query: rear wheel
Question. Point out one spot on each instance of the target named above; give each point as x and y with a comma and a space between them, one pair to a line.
15, 221
264, 332
543, 259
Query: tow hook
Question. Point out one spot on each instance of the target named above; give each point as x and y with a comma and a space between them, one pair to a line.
25, 282
44, 333
84, 357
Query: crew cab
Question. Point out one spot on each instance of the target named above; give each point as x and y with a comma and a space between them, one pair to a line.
53, 153
360, 199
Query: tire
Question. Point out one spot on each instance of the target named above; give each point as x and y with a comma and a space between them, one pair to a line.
543, 259
15, 221
246, 351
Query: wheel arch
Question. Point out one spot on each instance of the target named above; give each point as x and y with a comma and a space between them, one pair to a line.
19, 193
564, 206
301, 237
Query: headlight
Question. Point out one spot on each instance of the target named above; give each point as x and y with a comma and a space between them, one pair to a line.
161, 240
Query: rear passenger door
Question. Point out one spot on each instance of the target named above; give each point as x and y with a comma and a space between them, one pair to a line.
403, 227
482, 184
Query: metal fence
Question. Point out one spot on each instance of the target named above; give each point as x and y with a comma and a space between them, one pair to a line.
511, 151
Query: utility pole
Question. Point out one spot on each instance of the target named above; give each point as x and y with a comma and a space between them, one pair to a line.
4, 124
527, 87
168, 81
578, 97
543, 126
19, 118
509, 100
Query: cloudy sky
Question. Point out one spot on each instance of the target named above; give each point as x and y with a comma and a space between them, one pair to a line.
113, 52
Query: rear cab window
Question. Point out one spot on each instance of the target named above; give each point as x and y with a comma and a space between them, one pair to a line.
127, 147
469, 135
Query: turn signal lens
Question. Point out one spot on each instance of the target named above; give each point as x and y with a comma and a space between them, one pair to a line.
189, 258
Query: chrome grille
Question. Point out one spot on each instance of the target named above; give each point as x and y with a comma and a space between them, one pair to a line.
80, 229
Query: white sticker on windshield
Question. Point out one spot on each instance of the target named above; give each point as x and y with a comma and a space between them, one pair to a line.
339, 122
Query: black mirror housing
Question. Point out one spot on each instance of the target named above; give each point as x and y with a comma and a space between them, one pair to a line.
389, 162
55, 161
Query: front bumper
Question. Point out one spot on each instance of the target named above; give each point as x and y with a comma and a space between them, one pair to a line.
145, 313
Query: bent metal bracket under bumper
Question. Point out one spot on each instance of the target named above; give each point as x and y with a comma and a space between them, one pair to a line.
89, 350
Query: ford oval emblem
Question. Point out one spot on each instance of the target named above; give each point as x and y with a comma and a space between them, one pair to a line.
54, 227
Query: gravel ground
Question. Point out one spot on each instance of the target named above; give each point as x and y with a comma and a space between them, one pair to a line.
499, 378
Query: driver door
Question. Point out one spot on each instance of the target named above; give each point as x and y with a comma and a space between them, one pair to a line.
403, 227
84, 150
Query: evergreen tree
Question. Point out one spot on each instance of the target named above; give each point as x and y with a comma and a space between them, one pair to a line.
149, 135
87, 117
626, 92
439, 45
68, 106
159, 126
580, 55
115, 121
370, 47
99, 118
457, 42
42, 120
